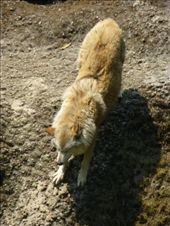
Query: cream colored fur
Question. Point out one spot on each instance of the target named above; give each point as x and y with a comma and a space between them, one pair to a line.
93, 94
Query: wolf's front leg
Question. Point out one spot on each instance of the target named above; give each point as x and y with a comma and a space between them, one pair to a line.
59, 175
85, 166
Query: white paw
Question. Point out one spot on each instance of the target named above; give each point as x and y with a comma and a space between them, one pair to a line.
81, 180
58, 176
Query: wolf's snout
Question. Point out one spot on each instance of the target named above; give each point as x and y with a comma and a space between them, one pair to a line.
60, 159
60, 163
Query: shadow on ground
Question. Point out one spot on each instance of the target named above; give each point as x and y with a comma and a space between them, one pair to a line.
44, 2
126, 154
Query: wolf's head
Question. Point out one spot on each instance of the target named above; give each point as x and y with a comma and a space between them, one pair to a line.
74, 126
71, 140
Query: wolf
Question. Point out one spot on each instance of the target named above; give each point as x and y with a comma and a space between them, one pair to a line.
90, 98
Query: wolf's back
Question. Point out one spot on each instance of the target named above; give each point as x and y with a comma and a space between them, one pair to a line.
101, 49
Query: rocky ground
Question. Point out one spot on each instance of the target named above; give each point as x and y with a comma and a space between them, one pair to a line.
129, 179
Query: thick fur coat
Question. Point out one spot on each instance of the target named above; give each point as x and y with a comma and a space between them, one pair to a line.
92, 95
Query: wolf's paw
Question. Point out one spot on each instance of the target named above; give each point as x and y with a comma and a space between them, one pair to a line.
58, 176
81, 180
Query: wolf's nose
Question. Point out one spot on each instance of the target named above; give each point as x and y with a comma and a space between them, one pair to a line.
59, 163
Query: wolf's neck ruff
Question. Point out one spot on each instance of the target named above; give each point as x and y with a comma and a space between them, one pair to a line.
87, 117
81, 93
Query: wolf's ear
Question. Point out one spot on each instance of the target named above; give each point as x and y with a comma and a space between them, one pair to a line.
50, 131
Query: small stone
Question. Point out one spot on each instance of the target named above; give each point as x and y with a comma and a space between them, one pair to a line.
12, 9
63, 190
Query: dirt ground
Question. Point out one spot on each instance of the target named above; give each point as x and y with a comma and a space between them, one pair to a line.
129, 178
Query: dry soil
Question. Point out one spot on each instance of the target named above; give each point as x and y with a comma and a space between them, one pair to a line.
129, 178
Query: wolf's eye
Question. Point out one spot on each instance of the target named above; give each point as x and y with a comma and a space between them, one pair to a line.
53, 144
77, 136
